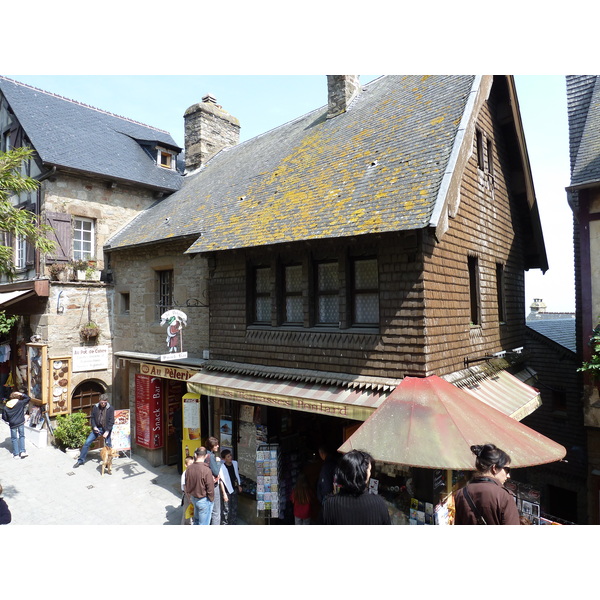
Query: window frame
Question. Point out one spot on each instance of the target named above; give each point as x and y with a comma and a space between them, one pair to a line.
474, 290
319, 293
162, 153
164, 291
257, 295
500, 292
285, 294
20, 255
356, 293
83, 254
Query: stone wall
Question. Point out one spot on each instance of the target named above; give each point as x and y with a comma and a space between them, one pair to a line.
111, 207
135, 275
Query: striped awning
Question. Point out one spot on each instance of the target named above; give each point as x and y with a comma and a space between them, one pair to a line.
331, 400
504, 392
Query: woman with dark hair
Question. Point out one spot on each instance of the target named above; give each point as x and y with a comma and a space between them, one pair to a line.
485, 500
352, 504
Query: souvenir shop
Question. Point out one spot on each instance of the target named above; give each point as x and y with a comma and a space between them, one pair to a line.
275, 430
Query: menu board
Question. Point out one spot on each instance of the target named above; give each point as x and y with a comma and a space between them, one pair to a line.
148, 411
121, 431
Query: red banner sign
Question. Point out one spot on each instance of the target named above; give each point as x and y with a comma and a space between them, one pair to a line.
148, 411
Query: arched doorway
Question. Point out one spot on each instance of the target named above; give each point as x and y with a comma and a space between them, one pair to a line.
86, 394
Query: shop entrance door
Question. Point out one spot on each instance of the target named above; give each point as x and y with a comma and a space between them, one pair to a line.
174, 430
84, 397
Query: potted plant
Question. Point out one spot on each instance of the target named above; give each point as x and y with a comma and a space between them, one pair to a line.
90, 331
58, 271
79, 268
71, 431
92, 274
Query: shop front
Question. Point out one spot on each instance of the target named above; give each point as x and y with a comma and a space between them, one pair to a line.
155, 392
275, 426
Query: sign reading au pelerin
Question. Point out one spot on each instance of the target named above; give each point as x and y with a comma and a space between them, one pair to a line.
90, 358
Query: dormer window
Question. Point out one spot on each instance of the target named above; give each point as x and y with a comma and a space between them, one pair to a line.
166, 159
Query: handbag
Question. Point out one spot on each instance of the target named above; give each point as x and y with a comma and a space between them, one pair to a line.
480, 519
189, 511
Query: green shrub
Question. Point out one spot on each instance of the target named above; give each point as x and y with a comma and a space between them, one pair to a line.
71, 430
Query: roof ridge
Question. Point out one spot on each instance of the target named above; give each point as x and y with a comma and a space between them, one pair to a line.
100, 110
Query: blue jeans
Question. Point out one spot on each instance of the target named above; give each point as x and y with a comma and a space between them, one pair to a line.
17, 437
202, 510
91, 439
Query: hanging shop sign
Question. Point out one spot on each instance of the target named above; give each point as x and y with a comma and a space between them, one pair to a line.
90, 358
175, 321
148, 412
166, 372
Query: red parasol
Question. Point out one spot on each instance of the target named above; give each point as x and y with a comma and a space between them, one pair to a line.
430, 423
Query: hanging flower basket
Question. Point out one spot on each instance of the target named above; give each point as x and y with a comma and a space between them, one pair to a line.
90, 331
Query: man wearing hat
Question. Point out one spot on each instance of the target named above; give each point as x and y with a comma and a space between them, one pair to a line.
102, 421
14, 415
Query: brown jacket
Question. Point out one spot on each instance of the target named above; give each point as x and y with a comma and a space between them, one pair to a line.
495, 503
199, 481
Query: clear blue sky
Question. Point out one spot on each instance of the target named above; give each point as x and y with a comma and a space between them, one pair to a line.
262, 102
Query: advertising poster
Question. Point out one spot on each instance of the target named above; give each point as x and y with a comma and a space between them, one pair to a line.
191, 425
121, 432
148, 412
226, 434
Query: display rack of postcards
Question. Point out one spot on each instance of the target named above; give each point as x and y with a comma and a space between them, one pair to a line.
267, 481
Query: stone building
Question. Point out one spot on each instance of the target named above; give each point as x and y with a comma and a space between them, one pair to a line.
383, 235
96, 172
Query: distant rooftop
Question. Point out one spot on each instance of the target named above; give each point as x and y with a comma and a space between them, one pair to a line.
556, 328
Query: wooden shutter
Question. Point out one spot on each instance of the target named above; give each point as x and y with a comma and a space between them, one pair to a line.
61, 234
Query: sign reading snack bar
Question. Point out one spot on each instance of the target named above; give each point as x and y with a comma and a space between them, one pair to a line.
90, 358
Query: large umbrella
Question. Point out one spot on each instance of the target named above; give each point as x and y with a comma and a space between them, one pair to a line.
430, 423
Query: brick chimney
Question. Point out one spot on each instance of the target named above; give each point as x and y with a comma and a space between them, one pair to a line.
341, 89
208, 129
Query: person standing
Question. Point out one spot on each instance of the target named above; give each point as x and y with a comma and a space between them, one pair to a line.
302, 499
352, 504
325, 482
485, 500
230, 478
213, 460
5, 516
102, 421
200, 486
14, 415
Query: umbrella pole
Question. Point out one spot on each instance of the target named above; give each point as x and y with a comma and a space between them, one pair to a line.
448, 482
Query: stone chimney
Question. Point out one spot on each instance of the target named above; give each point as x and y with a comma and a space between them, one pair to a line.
208, 129
341, 90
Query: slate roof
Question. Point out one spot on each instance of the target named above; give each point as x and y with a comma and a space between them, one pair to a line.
74, 136
375, 168
561, 331
583, 98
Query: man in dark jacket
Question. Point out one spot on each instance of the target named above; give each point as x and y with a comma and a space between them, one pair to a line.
102, 421
14, 415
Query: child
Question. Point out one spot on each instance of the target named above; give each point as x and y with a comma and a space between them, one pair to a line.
185, 501
302, 499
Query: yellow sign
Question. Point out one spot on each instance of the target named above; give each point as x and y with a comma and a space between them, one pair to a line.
166, 372
191, 425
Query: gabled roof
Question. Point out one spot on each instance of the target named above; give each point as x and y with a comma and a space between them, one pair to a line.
386, 164
74, 136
